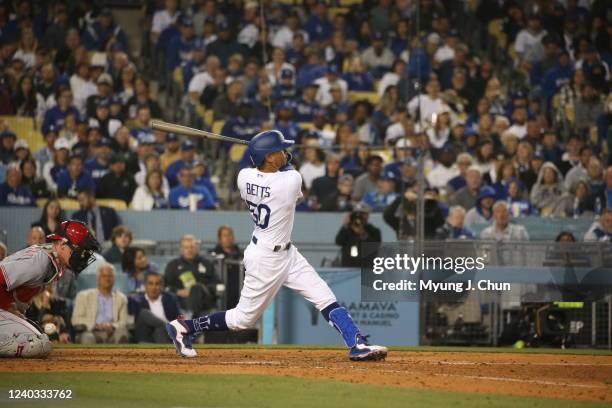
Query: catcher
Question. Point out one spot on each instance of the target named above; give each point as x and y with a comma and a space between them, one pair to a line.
25, 273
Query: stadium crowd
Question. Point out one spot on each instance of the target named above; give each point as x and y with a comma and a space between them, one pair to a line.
505, 106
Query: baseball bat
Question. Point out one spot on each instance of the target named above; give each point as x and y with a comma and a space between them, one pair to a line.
189, 131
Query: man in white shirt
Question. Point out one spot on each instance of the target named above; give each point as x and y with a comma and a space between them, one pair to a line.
325, 83
447, 50
444, 170
82, 86
204, 78
403, 126
528, 43
284, 37
377, 57
427, 104
152, 310
164, 18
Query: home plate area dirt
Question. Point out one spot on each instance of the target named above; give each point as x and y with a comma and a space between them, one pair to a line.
576, 377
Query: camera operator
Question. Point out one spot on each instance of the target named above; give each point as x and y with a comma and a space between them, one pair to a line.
356, 230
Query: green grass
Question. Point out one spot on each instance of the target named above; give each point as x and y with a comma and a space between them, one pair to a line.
580, 351
228, 391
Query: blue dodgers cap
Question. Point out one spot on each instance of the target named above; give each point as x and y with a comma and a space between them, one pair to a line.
187, 145
186, 21
146, 138
52, 128
103, 142
486, 191
286, 73
285, 104
171, 137
223, 26
103, 103
333, 69
378, 36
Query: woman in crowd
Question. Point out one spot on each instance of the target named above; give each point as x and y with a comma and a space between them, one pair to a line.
135, 264
151, 196
29, 178
548, 189
51, 218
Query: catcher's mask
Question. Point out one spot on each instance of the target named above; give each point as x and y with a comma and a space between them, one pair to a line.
82, 242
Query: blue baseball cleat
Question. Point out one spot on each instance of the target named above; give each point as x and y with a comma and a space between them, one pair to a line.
363, 351
181, 339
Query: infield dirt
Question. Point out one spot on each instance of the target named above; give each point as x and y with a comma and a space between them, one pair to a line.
576, 377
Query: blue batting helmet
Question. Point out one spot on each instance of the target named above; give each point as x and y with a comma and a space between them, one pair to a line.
266, 142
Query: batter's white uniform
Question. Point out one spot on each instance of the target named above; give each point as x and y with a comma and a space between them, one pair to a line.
271, 198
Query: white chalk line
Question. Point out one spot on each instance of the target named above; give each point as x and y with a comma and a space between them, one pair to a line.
520, 380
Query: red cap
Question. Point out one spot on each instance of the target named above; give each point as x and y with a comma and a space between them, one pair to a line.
75, 232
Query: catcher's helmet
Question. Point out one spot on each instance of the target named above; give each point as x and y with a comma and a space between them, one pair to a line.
80, 240
266, 142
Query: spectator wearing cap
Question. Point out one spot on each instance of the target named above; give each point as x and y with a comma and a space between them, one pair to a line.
74, 179
45, 154
357, 78
226, 105
180, 48
163, 18
117, 183
184, 195
466, 196
102, 119
482, 212
13, 192
601, 230
172, 151
104, 34
501, 229
8, 139
188, 157
368, 181
338, 109
401, 127
284, 119
354, 231
307, 104
595, 69
424, 106
444, 170
325, 83
557, 75
377, 58
57, 114
283, 38
249, 34
285, 87
318, 26
53, 168
383, 196
241, 126
99, 164
225, 45
454, 227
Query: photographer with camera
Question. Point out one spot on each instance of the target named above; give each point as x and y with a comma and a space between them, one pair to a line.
356, 230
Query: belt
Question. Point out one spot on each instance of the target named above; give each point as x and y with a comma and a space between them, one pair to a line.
275, 248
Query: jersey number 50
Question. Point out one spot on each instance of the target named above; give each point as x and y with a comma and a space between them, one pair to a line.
261, 214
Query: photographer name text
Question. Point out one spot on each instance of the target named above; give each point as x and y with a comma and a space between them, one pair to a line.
432, 286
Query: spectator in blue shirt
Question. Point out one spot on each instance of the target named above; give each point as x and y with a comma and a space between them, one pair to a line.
384, 195
242, 126
182, 195
284, 122
74, 179
307, 105
57, 114
285, 88
99, 165
104, 34
180, 48
12, 193
356, 78
187, 160
318, 26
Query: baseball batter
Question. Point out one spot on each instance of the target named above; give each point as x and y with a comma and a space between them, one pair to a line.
23, 275
271, 261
